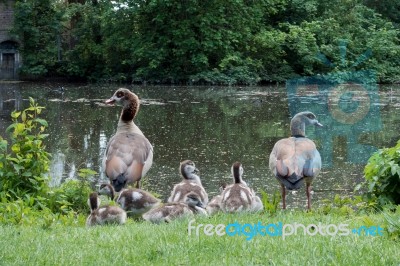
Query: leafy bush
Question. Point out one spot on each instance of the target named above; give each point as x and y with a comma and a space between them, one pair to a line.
382, 177
23, 169
72, 195
23, 212
25, 195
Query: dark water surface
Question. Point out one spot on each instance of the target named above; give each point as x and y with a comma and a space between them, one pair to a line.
214, 127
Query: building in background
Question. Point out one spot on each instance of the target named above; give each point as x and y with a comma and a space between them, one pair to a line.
10, 59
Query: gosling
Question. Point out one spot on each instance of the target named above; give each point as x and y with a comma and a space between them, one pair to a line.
134, 201
175, 210
238, 197
104, 215
191, 183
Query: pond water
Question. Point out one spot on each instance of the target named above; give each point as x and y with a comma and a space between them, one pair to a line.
214, 127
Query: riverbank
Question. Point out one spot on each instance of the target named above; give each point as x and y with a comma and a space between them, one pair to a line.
324, 241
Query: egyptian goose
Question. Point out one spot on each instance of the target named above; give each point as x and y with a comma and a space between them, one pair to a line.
296, 159
134, 201
190, 184
129, 154
238, 197
173, 210
105, 214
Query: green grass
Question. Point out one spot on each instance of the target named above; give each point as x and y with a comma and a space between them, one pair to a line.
141, 243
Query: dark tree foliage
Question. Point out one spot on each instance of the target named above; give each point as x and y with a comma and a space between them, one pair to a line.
389, 9
209, 41
37, 26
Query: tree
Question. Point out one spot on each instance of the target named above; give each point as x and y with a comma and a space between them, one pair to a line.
37, 26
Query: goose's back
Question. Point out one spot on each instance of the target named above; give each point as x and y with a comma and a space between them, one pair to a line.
183, 188
236, 197
295, 155
127, 153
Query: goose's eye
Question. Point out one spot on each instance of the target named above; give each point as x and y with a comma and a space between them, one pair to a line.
120, 94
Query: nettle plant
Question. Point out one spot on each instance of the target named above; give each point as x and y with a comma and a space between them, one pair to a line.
382, 177
24, 163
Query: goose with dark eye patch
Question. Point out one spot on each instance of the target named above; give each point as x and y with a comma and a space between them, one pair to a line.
238, 197
296, 160
170, 211
129, 154
190, 183
105, 214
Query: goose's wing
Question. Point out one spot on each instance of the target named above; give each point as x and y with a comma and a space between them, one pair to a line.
127, 154
292, 159
308, 158
281, 159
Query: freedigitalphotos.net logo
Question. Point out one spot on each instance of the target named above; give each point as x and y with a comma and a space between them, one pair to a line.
345, 102
279, 229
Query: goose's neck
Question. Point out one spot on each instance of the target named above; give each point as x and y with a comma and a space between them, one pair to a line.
236, 175
112, 193
94, 202
130, 108
297, 128
238, 179
128, 127
129, 111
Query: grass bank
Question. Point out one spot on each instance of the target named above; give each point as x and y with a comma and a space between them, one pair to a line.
141, 243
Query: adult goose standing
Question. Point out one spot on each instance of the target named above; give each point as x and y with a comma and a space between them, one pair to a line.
134, 201
190, 183
104, 215
173, 210
238, 197
296, 159
129, 154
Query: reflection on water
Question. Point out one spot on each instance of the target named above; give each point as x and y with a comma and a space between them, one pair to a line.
212, 126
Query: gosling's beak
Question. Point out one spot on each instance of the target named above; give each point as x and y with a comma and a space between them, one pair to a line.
196, 170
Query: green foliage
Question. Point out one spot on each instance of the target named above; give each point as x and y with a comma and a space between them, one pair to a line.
387, 8
392, 222
23, 168
382, 176
25, 196
37, 26
210, 41
84, 57
23, 212
72, 195
271, 202
342, 205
